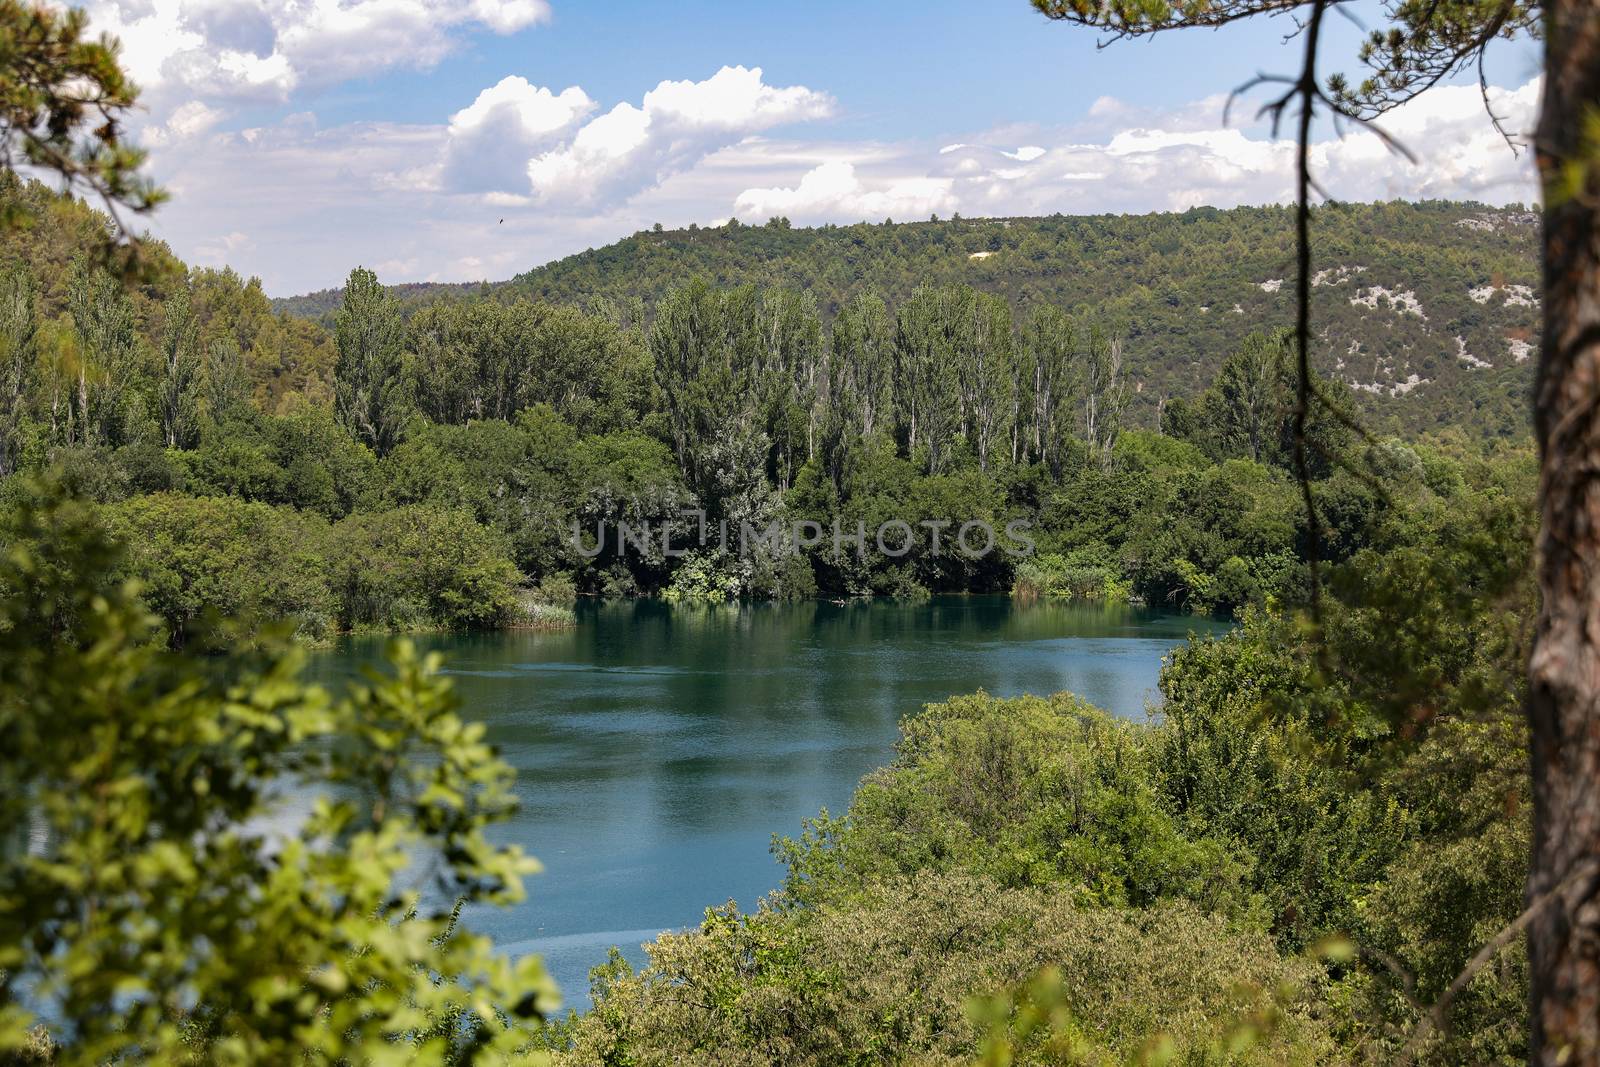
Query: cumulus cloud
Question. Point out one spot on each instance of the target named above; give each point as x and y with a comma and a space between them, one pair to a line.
677, 124
509, 16
301, 205
1459, 153
833, 190
187, 121
491, 141
1169, 162
218, 252
239, 26
230, 51
316, 201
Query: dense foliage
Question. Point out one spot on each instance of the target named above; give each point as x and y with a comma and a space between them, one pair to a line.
1425, 308
1348, 818
1289, 866
432, 466
63, 101
885, 976
1294, 863
158, 900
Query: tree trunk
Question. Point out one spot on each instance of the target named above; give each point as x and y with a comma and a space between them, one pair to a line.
1564, 670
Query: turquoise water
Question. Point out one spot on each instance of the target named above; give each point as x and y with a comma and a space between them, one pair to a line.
659, 748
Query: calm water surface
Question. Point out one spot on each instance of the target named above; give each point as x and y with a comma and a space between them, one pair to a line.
658, 749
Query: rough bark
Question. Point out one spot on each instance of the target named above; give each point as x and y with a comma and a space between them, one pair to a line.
1564, 671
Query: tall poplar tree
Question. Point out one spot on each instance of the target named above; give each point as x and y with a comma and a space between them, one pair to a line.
1104, 394
986, 369
108, 349
179, 386
369, 387
1051, 378
18, 325
1251, 400
932, 329
862, 348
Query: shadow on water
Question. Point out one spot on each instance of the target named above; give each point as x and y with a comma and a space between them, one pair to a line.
658, 748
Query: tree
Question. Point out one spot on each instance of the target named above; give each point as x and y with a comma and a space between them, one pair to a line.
1424, 44
62, 103
862, 345
792, 363
226, 386
108, 346
18, 325
218, 556
1564, 700
1248, 387
931, 329
422, 565
1104, 394
986, 373
146, 912
860, 389
1050, 377
592, 372
369, 382
445, 366
180, 368
709, 365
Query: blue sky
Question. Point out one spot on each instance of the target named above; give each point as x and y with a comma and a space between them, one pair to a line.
301, 137
905, 70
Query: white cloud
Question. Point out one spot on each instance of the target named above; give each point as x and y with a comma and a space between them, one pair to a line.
492, 140
217, 253
527, 110
630, 149
733, 100
832, 191
509, 16
228, 51
1144, 161
1459, 153
188, 120
330, 41
316, 202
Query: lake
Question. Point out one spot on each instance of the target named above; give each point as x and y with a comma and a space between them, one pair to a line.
659, 748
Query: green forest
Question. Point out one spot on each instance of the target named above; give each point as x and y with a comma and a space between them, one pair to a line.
1397, 284
1299, 500
1292, 863
475, 461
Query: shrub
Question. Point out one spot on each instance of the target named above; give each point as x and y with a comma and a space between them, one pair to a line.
1028, 791
200, 557
422, 566
887, 976
706, 578
152, 916
1083, 574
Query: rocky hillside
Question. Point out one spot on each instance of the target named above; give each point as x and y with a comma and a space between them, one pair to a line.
1429, 310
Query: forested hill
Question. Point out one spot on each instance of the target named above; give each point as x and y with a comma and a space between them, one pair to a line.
1427, 310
